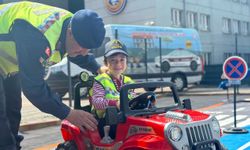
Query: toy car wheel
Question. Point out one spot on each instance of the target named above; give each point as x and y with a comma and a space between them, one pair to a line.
180, 81
68, 145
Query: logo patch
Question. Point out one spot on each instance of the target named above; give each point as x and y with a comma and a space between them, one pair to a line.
115, 7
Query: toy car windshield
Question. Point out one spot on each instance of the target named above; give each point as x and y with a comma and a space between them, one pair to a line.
147, 102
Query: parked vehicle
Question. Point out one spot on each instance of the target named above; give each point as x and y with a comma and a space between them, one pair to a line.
146, 44
148, 123
58, 80
181, 61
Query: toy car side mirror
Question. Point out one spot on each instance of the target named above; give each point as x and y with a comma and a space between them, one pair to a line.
111, 116
187, 104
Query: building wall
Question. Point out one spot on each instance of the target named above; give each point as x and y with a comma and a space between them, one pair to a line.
135, 12
215, 43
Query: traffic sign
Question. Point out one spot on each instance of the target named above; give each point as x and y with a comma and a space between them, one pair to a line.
235, 68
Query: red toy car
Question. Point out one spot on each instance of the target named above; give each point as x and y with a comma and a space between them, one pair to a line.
144, 123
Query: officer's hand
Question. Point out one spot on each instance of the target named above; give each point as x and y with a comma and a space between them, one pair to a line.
102, 69
82, 120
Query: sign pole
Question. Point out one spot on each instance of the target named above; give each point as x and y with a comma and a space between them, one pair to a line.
235, 69
235, 96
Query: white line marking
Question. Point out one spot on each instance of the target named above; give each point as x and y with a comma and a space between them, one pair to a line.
240, 109
212, 112
231, 120
244, 123
220, 117
244, 146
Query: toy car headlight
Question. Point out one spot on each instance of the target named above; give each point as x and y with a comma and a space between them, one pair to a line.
175, 133
84, 76
215, 125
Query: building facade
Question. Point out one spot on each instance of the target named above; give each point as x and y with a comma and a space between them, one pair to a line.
220, 28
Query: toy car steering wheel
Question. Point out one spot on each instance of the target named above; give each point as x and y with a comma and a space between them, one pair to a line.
142, 101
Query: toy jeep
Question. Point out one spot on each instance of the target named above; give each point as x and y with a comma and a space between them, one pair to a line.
145, 123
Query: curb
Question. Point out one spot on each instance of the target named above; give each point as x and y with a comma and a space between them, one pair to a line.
38, 125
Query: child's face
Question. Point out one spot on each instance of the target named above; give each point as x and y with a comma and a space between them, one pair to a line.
117, 64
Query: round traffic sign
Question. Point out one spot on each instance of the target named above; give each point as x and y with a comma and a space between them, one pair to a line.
235, 68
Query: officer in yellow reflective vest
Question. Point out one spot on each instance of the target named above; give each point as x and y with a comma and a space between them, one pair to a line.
33, 35
106, 88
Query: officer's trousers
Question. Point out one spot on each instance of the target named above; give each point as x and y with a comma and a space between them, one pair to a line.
10, 111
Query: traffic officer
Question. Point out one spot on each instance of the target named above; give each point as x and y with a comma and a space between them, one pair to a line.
33, 35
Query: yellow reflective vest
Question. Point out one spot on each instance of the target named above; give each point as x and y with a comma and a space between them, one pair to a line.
110, 90
47, 19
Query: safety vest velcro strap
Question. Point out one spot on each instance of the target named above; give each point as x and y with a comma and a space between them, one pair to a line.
6, 8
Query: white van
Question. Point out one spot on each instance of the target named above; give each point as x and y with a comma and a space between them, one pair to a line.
159, 53
155, 54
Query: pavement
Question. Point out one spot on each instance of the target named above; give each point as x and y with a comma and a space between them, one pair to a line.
33, 118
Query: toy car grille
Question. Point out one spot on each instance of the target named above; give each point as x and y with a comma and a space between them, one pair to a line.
199, 133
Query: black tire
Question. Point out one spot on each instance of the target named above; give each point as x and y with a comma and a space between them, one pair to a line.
180, 81
165, 66
68, 145
58, 83
193, 65
61, 92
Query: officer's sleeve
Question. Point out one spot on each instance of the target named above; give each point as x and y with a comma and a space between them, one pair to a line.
31, 46
35, 88
87, 62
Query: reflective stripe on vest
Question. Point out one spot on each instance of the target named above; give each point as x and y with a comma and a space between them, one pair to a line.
5, 8
8, 61
8, 57
2, 72
110, 90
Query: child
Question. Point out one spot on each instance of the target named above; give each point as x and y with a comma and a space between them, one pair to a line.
106, 88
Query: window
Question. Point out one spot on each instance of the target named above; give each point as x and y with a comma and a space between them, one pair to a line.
244, 28
226, 25
191, 20
226, 55
246, 57
207, 57
235, 26
176, 17
204, 22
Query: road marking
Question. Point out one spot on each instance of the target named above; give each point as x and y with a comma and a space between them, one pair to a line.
243, 123
47, 147
213, 112
239, 109
244, 146
231, 120
211, 106
220, 117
